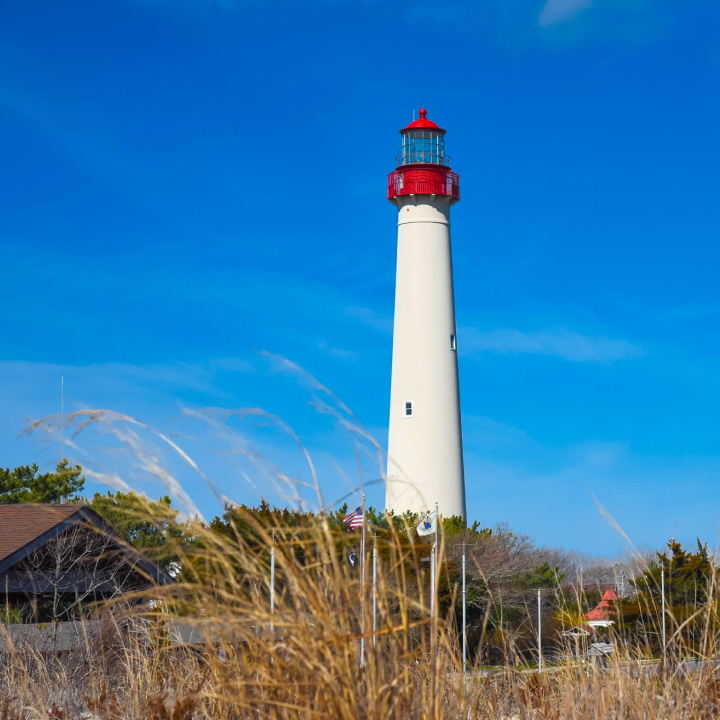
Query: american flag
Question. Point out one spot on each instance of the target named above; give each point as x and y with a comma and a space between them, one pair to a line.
354, 519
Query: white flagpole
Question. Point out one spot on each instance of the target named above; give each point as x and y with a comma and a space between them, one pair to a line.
433, 618
435, 564
432, 582
362, 588
374, 586
432, 573
464, 619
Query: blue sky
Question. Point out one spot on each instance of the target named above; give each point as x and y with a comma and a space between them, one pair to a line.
194, 223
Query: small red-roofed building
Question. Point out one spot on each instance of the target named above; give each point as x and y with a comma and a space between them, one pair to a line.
585, 636
601, 614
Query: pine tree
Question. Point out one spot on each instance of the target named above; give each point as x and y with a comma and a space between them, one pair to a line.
25, 484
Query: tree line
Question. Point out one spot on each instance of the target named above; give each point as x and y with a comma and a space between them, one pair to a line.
504, 569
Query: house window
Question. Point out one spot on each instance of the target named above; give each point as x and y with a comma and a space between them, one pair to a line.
453, 343
408, 409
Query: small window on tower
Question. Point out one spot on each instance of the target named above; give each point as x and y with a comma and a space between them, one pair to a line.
453, 343
408, 409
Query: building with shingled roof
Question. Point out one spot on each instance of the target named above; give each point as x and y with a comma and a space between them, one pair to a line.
56, 560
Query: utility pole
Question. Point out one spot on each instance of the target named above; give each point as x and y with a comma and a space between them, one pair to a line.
272, 587
662, 592
539, 633
374, 591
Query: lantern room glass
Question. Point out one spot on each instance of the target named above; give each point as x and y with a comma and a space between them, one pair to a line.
423, 146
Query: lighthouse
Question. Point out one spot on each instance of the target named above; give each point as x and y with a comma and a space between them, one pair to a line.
425, 455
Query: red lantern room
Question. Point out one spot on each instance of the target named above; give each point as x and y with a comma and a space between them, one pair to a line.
422, 166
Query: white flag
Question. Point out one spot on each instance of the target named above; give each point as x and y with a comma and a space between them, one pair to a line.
428, 525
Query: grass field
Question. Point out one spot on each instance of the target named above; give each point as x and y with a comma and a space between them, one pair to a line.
303, 659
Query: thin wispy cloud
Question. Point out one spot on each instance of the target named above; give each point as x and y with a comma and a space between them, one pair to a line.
558, 11
371, 319
59, 123
568, 480
26, 381
557, 342
518, 25
694, 311
174, 5
336, 351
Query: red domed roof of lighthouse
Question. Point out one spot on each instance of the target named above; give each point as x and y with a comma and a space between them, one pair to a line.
422, 123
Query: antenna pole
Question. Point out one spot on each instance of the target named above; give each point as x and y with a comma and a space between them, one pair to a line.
62, 416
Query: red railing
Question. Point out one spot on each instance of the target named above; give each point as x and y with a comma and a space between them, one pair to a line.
423, 180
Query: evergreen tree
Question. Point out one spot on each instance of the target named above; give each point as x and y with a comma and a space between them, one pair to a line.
149, 525
25, 484
687, 581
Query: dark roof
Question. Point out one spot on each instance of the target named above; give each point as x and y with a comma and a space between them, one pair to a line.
25, 528
21, 524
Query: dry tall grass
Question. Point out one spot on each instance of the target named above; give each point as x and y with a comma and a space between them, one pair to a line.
303, 660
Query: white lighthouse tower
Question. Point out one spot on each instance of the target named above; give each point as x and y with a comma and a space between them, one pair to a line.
425, 455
